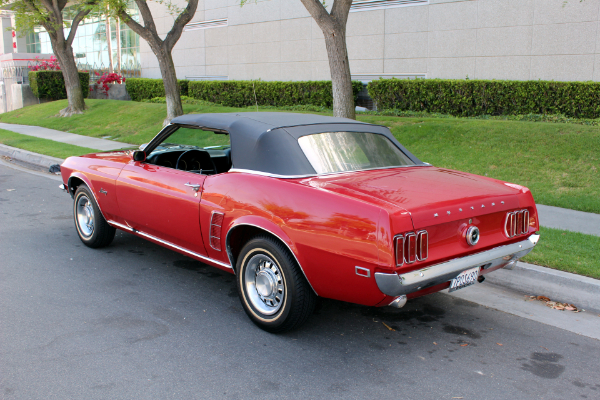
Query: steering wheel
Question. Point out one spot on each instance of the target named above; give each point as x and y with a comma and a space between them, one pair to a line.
195, 158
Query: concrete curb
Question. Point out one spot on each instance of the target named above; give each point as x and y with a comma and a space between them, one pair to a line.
29, 157
559, 286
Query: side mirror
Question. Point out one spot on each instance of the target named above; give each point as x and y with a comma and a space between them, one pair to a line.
139, 155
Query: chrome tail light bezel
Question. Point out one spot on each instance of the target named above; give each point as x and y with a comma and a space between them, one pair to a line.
516, 223
410, 250
411, 247
399, 250
422, 245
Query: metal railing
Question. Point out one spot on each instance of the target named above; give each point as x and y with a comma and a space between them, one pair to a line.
18, 74
129, 69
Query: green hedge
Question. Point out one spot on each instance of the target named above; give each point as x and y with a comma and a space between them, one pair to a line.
467, 98
51, 84
145, 88
268, 93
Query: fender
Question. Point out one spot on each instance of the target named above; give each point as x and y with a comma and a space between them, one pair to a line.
85, 180
269, 227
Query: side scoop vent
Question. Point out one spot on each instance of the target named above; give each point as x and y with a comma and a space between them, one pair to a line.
216, 222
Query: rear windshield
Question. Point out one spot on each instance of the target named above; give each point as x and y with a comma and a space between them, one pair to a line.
351, 151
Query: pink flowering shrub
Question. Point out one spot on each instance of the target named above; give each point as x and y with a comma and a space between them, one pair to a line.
107, 79
45, 65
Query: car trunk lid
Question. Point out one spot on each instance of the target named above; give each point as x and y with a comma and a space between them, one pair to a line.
432, 195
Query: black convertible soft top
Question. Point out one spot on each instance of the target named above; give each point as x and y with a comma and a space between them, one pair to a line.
268, 141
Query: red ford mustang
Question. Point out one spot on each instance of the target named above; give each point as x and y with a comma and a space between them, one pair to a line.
299, 206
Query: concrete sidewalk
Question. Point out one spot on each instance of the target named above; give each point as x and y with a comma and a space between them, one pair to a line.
569, 220
65, 137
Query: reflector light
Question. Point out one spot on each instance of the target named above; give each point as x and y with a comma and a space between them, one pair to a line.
517, 223
216, 222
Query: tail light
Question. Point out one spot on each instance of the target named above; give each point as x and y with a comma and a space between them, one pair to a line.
410, 251
216, 222
517, 223
411, 247
422, 245
399, 247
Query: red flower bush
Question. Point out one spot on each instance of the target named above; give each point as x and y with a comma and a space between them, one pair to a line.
106, 79
45, 65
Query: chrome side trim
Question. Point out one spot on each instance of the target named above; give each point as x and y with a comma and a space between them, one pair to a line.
250, 171
130, 229
266, 230
397, 285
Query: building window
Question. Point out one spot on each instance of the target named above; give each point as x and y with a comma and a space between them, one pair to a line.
90, 45
368, 5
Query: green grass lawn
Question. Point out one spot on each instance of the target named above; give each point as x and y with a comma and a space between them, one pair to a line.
126, 121
559, 162
567, 251
42, 146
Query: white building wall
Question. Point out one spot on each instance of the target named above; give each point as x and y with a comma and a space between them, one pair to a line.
481, 39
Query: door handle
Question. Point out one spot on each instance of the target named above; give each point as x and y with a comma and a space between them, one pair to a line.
194, 186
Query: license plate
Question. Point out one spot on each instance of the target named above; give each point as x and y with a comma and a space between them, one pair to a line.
466, 278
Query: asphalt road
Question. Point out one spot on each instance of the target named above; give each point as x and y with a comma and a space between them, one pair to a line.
137, 321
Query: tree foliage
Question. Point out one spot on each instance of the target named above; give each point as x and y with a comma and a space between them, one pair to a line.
60, 18
161, 48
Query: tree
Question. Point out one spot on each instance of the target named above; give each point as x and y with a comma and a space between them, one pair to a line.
333, 26
51, 15
161, 48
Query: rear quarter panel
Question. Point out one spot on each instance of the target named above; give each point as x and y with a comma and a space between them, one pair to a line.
330, 234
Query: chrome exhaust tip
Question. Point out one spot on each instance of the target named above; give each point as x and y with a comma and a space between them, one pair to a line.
399, 302
511, 264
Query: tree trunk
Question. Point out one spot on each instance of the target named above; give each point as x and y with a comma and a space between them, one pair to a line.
118, 44
172, 91
64, 54
341, 80
109, 44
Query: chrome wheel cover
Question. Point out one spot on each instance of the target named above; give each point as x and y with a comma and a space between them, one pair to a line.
263, 282
84, 213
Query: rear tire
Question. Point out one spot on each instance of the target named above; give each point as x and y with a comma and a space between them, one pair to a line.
273, 291
92, 228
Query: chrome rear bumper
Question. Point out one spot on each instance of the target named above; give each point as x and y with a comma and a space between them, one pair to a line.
397, 285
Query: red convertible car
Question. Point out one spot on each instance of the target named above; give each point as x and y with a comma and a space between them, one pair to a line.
299, 206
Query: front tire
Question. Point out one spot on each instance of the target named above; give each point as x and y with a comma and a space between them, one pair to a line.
92, 228
271, 286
